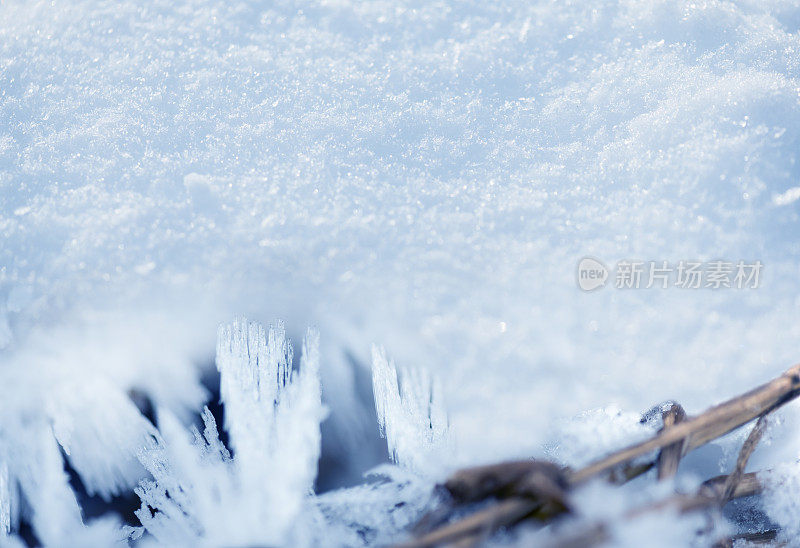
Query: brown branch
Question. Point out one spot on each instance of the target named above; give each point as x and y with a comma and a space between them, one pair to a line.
540, 482
748, 485
539, 489
715, 422
708, 495
670, 456
769, 536
741, 462
629, 471
531, 478
503, 513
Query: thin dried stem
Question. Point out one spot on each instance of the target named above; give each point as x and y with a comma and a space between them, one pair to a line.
699, 430
540, 489
670, 456
744, 455
499, 515
707, 496
769, 537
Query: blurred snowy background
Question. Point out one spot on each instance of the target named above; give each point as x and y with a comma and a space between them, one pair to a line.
423, 176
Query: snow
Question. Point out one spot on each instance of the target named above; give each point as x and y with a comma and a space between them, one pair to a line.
80, 430
788, 197
423, 176
375, 513
6, 502
37, 468
578, 440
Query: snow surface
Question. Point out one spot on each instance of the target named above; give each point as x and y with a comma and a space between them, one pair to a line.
423, 176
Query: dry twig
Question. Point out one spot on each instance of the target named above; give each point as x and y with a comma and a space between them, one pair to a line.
670, 456
537, 489
741, 462
707, 426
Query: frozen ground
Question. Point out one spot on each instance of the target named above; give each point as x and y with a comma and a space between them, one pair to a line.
423, 176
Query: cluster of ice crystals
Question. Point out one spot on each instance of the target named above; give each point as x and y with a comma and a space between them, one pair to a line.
199, 492
411, 414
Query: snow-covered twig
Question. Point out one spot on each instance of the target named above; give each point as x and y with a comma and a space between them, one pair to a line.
540, 489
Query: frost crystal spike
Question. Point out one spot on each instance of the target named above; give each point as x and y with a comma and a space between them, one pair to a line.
411, 415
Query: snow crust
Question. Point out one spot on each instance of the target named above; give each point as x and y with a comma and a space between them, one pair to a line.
424, 176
